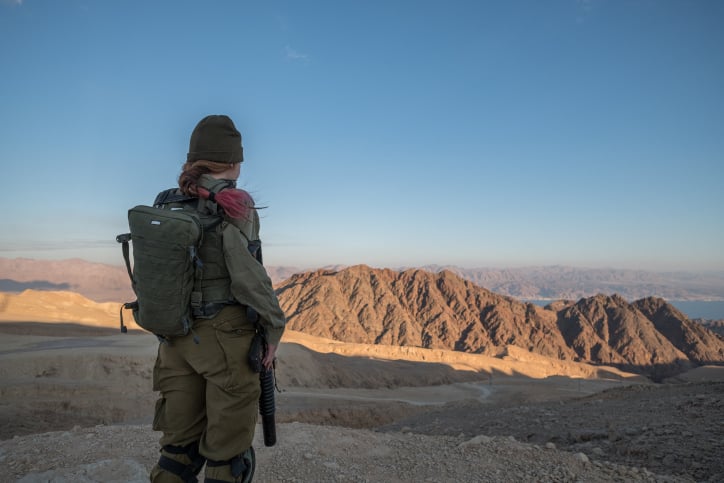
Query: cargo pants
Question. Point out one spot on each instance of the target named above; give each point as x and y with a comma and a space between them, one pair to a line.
209, 395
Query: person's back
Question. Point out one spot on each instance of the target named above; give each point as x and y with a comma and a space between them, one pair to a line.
208, 405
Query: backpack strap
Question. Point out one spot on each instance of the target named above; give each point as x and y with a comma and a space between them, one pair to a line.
171, 195
174, 195
123, 240
213, 186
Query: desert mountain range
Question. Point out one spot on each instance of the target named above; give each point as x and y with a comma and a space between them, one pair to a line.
443, 311
109, 283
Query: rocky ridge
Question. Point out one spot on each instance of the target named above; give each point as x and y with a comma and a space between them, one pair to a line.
443, 311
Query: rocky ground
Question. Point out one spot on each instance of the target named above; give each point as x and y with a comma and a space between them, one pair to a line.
637, 433
309, 453
671, 429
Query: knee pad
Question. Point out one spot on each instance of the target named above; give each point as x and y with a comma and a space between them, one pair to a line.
240, 468
183, 461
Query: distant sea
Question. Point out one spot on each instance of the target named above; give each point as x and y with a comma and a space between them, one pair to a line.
693, 309
700, 310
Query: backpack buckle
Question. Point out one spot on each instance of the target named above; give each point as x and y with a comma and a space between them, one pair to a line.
196, 300
123, 238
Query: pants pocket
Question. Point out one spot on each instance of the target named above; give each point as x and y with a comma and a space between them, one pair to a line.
158, 414
235, 346
156, 369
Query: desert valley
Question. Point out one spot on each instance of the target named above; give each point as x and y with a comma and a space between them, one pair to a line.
385, 375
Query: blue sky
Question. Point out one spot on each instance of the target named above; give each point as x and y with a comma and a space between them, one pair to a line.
391, 133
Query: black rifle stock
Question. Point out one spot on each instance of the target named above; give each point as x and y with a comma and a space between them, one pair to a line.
266, 407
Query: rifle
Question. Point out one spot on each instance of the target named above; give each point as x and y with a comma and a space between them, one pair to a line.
266, 405
266, 376
266, 380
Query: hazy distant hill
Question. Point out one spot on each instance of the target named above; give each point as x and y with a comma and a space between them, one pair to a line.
103, 282
444, 311
560, 282
716, 326
97, 281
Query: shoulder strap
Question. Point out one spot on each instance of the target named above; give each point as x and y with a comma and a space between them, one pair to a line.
174, 195
171, 195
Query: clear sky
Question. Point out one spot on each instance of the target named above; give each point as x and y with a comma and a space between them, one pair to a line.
386, 132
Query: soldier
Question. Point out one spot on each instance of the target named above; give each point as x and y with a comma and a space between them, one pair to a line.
209, 395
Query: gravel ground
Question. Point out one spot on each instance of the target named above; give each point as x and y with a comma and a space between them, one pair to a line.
656, 433
309, 453
675, 429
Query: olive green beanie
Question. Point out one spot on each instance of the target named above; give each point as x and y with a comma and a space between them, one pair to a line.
215, 138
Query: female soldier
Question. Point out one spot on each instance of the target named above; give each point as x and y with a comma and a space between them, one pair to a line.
207, 408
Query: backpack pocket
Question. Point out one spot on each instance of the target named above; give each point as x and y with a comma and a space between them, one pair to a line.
165, 266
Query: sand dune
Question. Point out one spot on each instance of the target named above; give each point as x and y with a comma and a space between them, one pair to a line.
45, 306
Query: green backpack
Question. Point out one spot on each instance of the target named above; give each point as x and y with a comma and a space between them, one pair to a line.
165, 263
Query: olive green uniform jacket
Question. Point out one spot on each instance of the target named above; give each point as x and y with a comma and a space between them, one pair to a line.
250, 283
